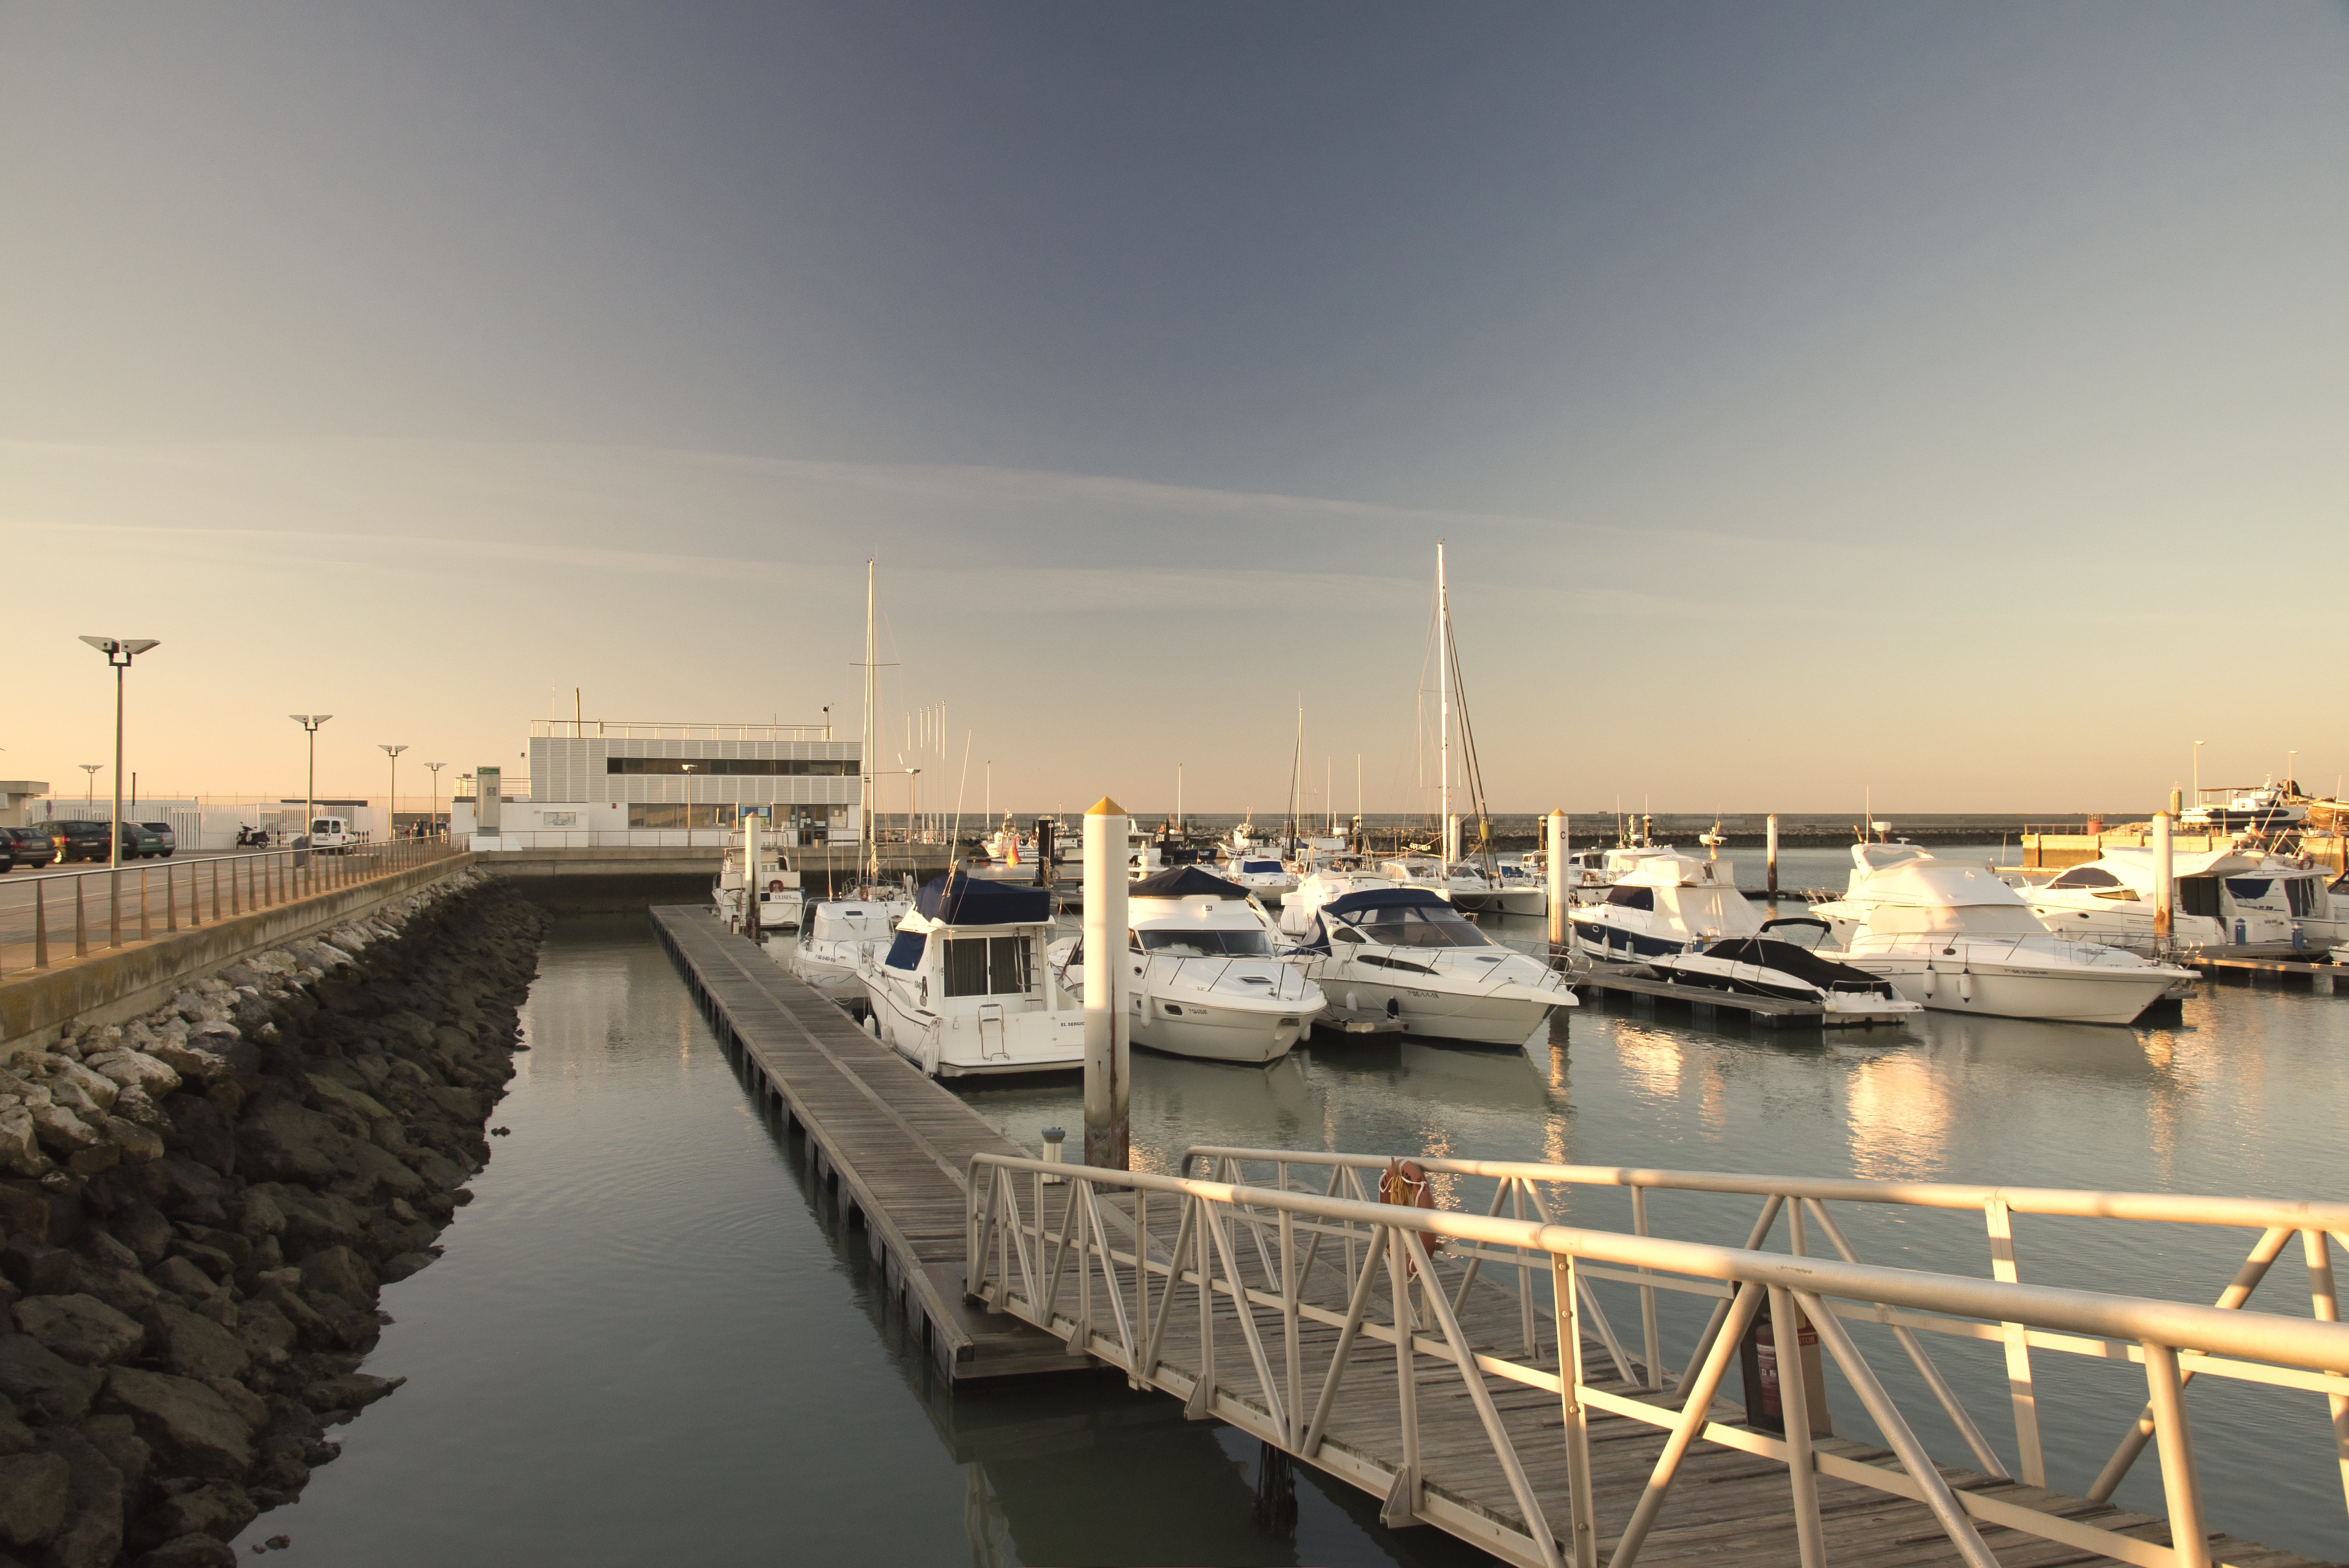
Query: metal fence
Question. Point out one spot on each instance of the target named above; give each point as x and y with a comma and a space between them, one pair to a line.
53, 917
1098, 1272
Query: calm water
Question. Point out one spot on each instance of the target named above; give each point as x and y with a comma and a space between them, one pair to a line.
646, 1341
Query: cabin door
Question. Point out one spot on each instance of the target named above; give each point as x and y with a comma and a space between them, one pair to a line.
992, 1044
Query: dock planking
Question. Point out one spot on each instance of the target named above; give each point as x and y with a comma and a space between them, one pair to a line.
893, 1144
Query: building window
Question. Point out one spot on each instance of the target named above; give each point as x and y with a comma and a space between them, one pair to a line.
681, 816
735, 767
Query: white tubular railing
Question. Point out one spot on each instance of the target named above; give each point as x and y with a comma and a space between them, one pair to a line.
1079, 1258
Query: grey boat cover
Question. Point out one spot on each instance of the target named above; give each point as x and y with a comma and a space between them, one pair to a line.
959, 900
1184, 882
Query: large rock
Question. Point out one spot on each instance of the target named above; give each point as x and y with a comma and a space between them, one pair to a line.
191, 1428
33, 1490
351, 1391
220, 1510
20, 1143
285, 1140
68, 1076
193, 1345
39, 1378
190, 1552
339, 1270
129, 1070
81, 1328
60, 1131
138, 1144
94, 1495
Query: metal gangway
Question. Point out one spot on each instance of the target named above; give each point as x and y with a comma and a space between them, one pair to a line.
1463, 1367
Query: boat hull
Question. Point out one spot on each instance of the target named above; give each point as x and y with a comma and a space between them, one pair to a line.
1212, 1034
959, 1046
2116, 996
1484, 1018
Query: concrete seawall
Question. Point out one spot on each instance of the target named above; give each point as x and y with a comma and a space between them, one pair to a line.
111, 986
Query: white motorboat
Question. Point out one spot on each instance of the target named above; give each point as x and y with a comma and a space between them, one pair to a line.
1406, 954
1206, 983
1345, 874
841, 938
1951, 936
1496, 888
1767, 966
1663, 904
2265, 807
1263, 876
2225, 897
778, 885
963, 990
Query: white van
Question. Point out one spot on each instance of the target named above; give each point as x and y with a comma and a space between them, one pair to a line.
332, 834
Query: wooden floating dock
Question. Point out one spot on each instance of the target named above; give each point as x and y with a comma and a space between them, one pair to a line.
2319, 977
891, 1144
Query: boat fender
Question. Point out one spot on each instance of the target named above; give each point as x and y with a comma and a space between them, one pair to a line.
1394, 1006
1929, 979
1965, 985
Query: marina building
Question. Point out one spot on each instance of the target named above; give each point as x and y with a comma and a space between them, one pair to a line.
607, 782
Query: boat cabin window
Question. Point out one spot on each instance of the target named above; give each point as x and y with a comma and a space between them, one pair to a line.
2248, 890
1260, 866
2086, 876
2198, 895
986, 965
1632, 897
2300, 894
1192, 943
1421, 925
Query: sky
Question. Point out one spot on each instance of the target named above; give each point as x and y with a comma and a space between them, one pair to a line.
1943, 407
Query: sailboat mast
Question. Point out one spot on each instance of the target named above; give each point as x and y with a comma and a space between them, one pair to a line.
869, 840
1443, 699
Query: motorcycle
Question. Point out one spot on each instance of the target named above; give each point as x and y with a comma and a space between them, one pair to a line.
252, 838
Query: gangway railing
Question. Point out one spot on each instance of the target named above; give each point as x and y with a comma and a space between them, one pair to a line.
1102, 1258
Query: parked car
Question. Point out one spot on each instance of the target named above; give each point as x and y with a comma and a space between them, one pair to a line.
163, 831
26, 847
332, 835
77, 840
139, 843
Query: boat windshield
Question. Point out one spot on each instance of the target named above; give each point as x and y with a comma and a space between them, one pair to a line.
1270, 866
1199, 944
1421, 925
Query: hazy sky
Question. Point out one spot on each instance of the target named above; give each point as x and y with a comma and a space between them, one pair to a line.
1949, 401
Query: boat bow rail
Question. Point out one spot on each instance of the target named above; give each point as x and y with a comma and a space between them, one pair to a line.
1271, 1303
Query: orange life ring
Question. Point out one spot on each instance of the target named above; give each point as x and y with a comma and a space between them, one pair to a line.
1405, 1182
776, 885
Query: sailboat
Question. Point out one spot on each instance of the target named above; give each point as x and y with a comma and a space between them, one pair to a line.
842, 939
1474, 885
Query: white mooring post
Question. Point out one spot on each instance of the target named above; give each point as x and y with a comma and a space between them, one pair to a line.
1554, 859
1108, 1074
1770, 853
2165, 888
750, 877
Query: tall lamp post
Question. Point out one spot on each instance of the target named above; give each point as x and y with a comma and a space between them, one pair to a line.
310, 723
432, 816
89, 790
118, 652
391, 809
2197, 774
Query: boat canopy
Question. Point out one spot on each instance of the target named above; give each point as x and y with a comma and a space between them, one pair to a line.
1184, 882
1350, 903
1799, 961
959, 900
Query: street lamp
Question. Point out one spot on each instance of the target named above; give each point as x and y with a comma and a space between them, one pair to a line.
89, 790
432, 818
118, 652
392, 810
2197, 774
310, 723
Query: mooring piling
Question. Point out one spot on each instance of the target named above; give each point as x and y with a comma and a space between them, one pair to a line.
1108, 1071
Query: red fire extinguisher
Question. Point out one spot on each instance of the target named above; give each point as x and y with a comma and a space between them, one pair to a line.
1757, 1359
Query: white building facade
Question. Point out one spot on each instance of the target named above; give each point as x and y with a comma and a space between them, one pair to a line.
600, 783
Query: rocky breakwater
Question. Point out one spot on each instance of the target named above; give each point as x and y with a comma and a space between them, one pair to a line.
201, 1205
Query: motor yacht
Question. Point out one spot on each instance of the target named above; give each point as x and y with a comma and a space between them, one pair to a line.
2266, 808
777, 884
1661, 905
839, 939
1341, 875
1497, 888
1405, 954
1263, 876
1205, 981
1953, 936
963, 990
2225, 897
1767, 965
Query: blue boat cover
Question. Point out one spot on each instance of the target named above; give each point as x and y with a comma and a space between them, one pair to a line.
1184, 882
1349, 903
960, 900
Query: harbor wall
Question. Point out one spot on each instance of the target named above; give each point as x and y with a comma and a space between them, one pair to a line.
108, 987
202, 1204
